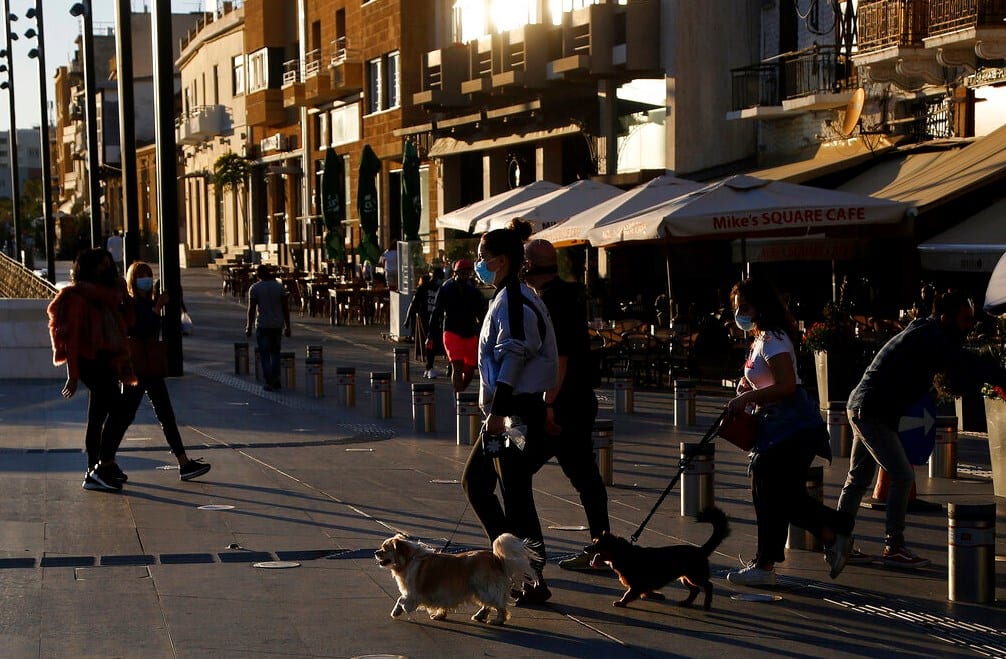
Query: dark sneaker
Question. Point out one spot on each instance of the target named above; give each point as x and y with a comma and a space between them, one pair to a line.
537, 594
903, 558
102, 477
838, 553
115, 472
857, 557
193, 469
582, 563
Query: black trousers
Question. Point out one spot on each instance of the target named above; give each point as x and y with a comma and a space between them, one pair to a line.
107, 415
779, 490
512, 471
157, 392
573, 449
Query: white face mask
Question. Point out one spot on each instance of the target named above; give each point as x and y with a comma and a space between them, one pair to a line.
145, 284
744, 321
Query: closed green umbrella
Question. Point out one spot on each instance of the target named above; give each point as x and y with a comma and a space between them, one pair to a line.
333, 204
366, 204
412, 202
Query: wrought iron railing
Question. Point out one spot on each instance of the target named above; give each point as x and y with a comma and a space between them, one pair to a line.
18, 282
888, 23
952, 15
792, 75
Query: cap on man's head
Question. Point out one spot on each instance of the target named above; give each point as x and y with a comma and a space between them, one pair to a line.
462, 265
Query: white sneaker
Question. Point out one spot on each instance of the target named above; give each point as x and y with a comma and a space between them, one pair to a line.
752, 575
432, 373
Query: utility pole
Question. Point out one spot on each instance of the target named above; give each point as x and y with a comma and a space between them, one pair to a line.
127, 128
12, 141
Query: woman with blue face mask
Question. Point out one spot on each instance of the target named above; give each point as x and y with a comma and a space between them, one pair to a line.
145, 335
791, 433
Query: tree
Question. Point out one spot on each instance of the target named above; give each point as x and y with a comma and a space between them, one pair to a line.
230, 172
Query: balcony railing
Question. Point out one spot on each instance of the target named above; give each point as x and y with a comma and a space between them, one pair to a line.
312, 63
342, 53
792, 75
291, 72
889, 23
951, 15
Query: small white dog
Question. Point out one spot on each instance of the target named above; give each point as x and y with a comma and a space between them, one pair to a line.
442, 582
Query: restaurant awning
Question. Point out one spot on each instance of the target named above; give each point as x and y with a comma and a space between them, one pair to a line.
552, 207
974, 245
827, 158
448, 146
817, 247
890, 169
464, 219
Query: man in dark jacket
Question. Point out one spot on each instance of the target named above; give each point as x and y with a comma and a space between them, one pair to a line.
571, 405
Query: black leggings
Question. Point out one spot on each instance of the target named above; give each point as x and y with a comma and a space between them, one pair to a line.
779, 490
107, 415
157, 393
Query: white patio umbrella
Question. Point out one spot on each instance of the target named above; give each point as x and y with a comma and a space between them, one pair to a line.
652, 193
551, 208
741, 206
995, 294
464, 219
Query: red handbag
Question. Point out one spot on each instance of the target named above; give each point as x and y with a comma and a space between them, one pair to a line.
740, 429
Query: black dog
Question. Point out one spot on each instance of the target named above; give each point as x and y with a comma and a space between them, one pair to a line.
643, 570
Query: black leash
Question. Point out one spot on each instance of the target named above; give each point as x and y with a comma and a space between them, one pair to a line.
685, 461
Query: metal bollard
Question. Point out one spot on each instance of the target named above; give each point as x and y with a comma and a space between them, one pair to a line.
603, 435
258, 365
839, 430
624, 396
241, 358
943, 461
345, 385
801, 538
314, 352
315, 378
971, 560
288, 369
424, 407
401, 364
380, 394
469, 418
684, 403
697, 479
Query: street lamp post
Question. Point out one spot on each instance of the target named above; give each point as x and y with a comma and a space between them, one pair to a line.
127, 128
83, 9
8, 84
50, 224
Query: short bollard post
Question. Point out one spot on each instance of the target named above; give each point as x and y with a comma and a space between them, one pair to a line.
380, 394
972, 544
315, 369
684, 403
288, 369
603, 435
424, 407
469, 418
624, 396
697, 478
241, 358
943, 461
839, 430
258, 365
801, 538
401, 364
314, 352
345, 385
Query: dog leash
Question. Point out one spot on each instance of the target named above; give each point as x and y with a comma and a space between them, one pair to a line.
682, 465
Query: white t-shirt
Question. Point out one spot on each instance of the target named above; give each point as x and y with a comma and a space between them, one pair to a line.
764, 347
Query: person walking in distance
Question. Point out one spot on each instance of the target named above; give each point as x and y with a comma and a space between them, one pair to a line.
899, 375
87, 328
115, 248
517, 363
269, 315
459, 309
570, 405
144, 335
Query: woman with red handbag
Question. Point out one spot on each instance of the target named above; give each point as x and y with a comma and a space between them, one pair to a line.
790, 433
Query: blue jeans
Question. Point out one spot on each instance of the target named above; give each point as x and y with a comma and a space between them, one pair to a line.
873, 443
269, 340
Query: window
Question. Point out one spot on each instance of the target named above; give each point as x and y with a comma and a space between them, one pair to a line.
238, 67
258, 70
383, 91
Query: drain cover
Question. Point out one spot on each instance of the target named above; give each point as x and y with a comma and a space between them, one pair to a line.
756, 597
277, 565
216, 506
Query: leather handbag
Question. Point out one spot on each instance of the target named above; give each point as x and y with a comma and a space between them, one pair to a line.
740, 429
149, 357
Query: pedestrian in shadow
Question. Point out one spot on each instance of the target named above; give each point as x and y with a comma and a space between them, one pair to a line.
269, 314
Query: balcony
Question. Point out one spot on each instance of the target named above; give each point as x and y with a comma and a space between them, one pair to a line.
480, 68
442, 73
202, 123
889, 30
293, 84
589, 36
789, 84
265, 107
345, 69
978, 25
523, 55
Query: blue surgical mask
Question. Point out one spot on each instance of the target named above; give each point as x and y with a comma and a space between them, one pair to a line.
482, 271
145, 283
744, 321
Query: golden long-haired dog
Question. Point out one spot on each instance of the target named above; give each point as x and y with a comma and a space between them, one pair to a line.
442, 582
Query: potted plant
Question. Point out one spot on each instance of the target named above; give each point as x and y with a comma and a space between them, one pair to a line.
840, 357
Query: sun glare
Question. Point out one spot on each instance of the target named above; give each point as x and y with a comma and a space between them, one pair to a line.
508, 14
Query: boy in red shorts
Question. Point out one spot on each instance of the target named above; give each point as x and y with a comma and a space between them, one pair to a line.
461, 305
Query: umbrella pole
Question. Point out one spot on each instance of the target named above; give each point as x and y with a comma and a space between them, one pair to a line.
834, 283
670, 296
